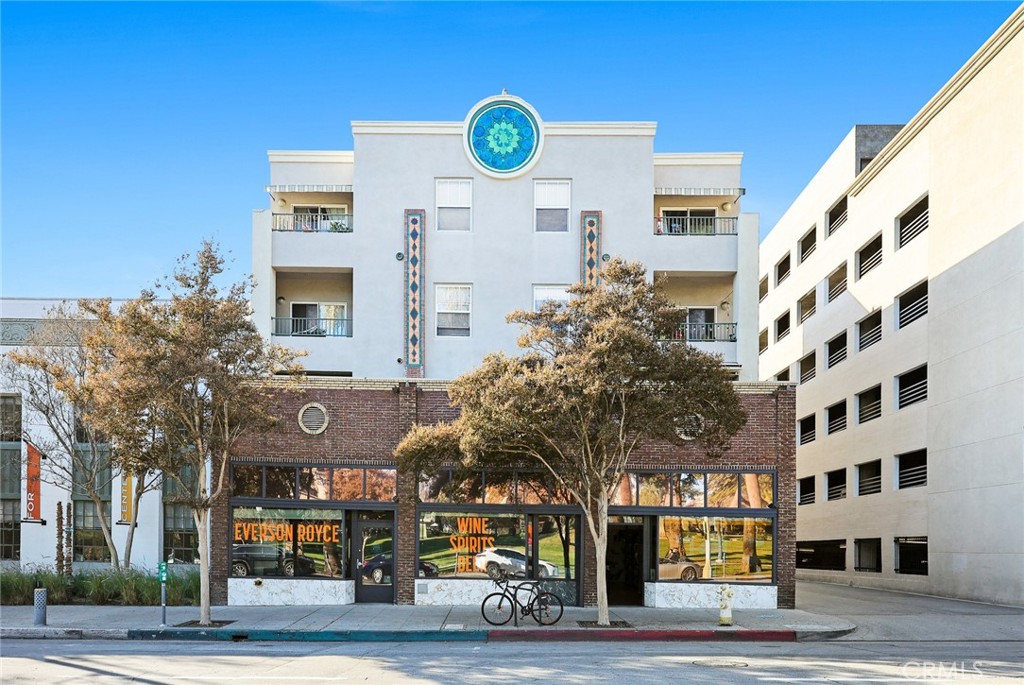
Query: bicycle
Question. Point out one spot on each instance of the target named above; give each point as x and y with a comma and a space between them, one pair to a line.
498, 608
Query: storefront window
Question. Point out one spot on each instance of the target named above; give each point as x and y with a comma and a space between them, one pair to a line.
473, 545
723, 490
287, 542
721, 548
757, 492
654, 489
381, 485
556, 546
624, 494
281, 482
444, 487
247, 481
314, 483
688, 490
533, 488
347, 484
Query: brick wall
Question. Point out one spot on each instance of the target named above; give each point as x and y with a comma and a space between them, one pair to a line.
367, 419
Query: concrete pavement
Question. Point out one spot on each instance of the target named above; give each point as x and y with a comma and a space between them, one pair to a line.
380, 622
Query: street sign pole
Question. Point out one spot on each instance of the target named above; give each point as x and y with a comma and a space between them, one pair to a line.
162, 570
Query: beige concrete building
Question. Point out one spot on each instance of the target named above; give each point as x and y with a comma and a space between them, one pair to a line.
892, 292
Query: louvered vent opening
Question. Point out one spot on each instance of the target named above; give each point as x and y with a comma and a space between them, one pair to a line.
313, 419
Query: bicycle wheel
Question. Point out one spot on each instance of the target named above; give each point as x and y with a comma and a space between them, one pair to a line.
497, 608
546, 609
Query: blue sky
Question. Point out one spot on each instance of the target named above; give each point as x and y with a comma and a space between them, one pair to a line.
132, 131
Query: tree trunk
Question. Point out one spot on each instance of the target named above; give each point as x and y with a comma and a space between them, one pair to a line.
202, 518
136, 498
601, 556
115, 562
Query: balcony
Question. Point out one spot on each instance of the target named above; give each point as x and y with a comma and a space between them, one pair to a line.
695, 225
312, 327
704, 332
312, 223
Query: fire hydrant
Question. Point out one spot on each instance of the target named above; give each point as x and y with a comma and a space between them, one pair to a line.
725, 594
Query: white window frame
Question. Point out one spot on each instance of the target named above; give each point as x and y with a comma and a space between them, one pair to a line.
537, 183
438, 311
563, 286
452, 204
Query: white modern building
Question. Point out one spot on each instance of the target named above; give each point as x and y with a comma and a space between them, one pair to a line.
892, 291
403, 256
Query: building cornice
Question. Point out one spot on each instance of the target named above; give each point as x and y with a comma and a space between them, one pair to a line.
456, 128
978, 61
698, 158
314, 156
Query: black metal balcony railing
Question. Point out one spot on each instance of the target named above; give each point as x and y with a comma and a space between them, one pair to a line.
704, 332
869, 262
695, 225
836, 221
914, 228
837, 356
837, 492
913, 393
305, 326
869, 411
807, 374
806, 498
807, 252
870, 337
837, 424
807, 436
313, 223
836, 289
912, 311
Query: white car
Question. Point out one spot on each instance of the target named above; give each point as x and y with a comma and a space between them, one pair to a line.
494, 560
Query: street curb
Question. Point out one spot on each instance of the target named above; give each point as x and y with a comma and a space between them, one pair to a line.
64, 634
242, 635
643, 635
822, 635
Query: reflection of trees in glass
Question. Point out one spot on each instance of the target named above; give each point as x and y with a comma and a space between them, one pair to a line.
447, 486
280, 482
654, 489
752, 492
314, 483
247, 481
761, 484
624, 494
688, 489
563, 528
381, 485
723, 490
348, 484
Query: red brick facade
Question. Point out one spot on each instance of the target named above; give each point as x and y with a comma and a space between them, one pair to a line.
367, 419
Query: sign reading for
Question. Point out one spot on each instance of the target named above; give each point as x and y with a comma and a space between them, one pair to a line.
32, 503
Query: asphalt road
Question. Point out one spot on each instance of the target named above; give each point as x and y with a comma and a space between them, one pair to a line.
147, 663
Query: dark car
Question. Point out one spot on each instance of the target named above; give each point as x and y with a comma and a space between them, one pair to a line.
269, 560
379, 567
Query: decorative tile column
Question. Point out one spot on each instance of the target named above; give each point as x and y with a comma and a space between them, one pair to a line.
590, 247
414, 323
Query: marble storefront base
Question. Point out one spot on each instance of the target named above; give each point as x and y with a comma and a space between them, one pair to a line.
705, 596
453, 591
290, 592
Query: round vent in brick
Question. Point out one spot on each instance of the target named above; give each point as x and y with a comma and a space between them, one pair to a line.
313, 418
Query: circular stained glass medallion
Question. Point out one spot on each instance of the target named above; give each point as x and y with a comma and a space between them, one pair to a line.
503, 136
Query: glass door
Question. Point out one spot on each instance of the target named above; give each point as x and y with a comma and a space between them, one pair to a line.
373, 546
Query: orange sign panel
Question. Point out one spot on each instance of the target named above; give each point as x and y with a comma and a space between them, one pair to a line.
33, 504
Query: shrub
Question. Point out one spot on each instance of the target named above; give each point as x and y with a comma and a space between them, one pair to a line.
101, 588
58, 587
16, 587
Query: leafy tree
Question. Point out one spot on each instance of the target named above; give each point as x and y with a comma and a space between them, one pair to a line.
56, 379
592, 386
186, 377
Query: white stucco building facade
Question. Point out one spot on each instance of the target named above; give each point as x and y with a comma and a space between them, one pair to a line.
892, 291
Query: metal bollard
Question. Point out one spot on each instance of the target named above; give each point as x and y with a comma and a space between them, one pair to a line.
39, 599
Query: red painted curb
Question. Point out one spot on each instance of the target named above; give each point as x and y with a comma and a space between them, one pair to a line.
648, 635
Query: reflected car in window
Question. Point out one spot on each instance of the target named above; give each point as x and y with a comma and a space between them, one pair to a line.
378, 568
676, 566
269, 560
495, 560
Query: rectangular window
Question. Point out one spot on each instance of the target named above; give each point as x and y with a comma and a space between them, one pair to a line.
835, 349
868, 555
551, 203
91, 470
315, 218
655, 489
808, 243
314, 483
805, 490
296, 543
912, 469
837, 215
280, 482
782, 326
821, 555
836, 417
723, 490
783, 376
912, 555
837, 282
869, 256
869, 478
454, 204
88, 543
10, 529
687, 222
758, 490
454, 307
737, 549
762, 341
181, 541
543, 294
469, 545
246, 481
762, 288
912, 305
835, 485
805, 307
912, 387
688, 490
913, 223
869, 330
808, 367
10, 471
782, 270
805, 430
869, 404
381, 485
10, 418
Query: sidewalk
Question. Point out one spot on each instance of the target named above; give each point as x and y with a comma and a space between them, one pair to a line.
381, 622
